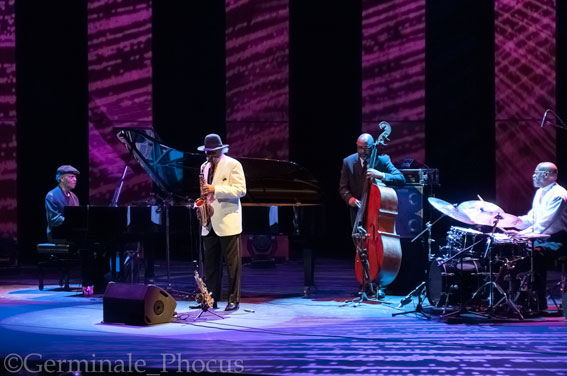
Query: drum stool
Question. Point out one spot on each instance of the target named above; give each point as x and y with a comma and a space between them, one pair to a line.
562, 285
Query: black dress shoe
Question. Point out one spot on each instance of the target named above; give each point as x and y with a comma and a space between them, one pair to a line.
231, 307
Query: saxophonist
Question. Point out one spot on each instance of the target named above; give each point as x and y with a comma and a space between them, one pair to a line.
222, 185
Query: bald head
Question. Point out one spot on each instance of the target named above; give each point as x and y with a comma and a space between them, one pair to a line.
364, 145
544, 174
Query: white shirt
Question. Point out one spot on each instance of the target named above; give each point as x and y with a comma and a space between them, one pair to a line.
548, 214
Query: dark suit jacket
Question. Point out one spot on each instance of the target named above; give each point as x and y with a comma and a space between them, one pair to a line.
352, 178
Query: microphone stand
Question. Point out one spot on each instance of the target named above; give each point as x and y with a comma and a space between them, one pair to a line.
562, 126
421, 288
419, 291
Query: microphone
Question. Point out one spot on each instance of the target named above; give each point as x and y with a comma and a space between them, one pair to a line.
405, 301
543, 118
416, 292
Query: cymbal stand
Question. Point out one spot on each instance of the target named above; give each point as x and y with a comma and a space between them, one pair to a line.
491, 283
430, 240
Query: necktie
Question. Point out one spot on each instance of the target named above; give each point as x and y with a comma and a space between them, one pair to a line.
210, 174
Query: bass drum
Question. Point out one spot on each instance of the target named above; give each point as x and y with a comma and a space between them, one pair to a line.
453, 282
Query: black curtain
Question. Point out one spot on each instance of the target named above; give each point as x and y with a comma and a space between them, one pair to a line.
460, 97
52, 107
188, 71
325, 104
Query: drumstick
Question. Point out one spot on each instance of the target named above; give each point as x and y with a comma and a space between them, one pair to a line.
498, 227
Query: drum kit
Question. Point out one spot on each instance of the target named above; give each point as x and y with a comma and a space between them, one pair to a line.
481, 272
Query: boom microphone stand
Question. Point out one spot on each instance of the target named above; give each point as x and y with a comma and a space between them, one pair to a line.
419, 291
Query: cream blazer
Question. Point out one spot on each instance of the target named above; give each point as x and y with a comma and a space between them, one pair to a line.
230, 185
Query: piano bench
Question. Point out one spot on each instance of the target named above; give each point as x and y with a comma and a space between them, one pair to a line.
56, 255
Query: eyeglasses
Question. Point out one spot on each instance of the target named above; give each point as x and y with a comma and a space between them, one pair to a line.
540, 172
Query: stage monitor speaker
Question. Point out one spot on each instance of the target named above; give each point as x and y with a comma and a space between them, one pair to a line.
131, 304
409, 221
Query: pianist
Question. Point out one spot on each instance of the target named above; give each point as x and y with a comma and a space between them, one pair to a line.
223, 180
55, 201
59, 197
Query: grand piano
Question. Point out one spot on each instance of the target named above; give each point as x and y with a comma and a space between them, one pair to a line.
175, 174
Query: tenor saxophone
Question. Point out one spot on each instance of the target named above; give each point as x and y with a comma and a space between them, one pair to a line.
204, 296
202, 204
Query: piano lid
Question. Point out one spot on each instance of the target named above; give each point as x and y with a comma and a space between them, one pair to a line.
269, 182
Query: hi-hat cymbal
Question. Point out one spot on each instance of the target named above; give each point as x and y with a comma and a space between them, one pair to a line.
486, 213
449, 210
532, 236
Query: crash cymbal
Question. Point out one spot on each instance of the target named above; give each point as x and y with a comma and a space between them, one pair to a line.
486, 213
449, 210
476, 206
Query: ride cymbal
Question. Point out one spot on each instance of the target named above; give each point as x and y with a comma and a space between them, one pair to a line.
486, 213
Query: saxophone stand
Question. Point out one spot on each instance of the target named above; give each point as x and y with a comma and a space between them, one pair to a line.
491, 284
205, 308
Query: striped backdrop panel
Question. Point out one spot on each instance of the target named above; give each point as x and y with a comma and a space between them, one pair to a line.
524, 88
257, 78
8, 167
393, 73
120, 92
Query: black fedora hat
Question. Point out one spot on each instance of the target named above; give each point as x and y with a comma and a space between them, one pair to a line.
212, 142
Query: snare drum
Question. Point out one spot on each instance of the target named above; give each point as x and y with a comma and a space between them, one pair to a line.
459, 238
504, 247
453, 282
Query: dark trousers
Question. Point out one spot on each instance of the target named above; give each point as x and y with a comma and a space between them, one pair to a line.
94, 266
219, 248
545, 251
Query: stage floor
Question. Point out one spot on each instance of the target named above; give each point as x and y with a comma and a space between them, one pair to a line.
275, 332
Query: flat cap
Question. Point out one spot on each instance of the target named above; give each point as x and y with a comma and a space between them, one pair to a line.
67, 169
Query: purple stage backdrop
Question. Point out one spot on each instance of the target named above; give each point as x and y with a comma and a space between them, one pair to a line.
8, 176
393, 73
120, 92
257, 78
524, 88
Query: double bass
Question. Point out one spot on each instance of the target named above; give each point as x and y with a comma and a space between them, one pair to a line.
378, 249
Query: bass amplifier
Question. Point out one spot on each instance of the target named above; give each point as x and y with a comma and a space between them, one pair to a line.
409, 221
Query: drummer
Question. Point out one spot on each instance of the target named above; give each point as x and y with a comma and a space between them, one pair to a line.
548, 216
